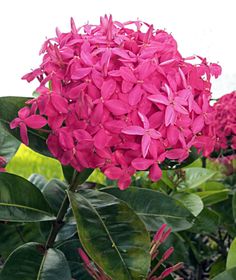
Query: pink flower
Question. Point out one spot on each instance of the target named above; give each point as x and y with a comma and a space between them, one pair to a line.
27, 119
120, 98
225, 122
146, 132
174, 105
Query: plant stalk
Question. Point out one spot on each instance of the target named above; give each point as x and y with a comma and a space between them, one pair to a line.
58, 223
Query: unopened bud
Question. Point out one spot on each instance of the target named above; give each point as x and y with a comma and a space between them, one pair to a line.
159, 233
84, 257
168, 253
165, 235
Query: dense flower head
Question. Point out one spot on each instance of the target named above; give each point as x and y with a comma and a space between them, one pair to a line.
120, 98
225, 122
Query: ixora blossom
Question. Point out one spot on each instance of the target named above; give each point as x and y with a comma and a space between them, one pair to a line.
225, 122
120, 99
154, 274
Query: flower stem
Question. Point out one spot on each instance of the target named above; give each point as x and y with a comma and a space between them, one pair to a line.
78, 179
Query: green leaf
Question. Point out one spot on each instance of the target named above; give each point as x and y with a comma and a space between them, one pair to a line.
226, 275
21, 201
54, 192
9, 107
112, 234
12, 235
206, 222
213, 186
231, 258
70, 250
191, 201
155, 208
212, 197
38, 180
217, 267
8, 144
195, 176
32, 261
36, 163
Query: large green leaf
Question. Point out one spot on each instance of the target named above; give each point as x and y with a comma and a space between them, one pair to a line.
9, 107
112, 234
231, 258
212, 197
226, 275
13, 235
195, 176
8, 144
191, 201
21, 201
155, 208
32, 262
70, 250
207, 221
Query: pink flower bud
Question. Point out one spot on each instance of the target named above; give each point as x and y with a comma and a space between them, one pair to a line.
166, 272
167, 253
165, 235
159, 233
84, 257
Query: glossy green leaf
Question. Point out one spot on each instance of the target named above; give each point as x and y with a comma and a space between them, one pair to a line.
38, 180
226, 275
212, 197
13, 235
54, 192
70, 250
195, 176
207, 221
8, 144
191, 201
32, 261
9, 107
21, 201
155, 208
112, 234
231, 258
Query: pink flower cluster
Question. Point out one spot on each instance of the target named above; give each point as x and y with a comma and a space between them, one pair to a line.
120, 99
225, 122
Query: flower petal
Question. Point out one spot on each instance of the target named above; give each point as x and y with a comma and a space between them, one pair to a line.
127, 74
146, 141
117, 107
135, 95
35, 121
159, 98
133, 130
113, 172
155, 172
170, 115
108, 88
142, 163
